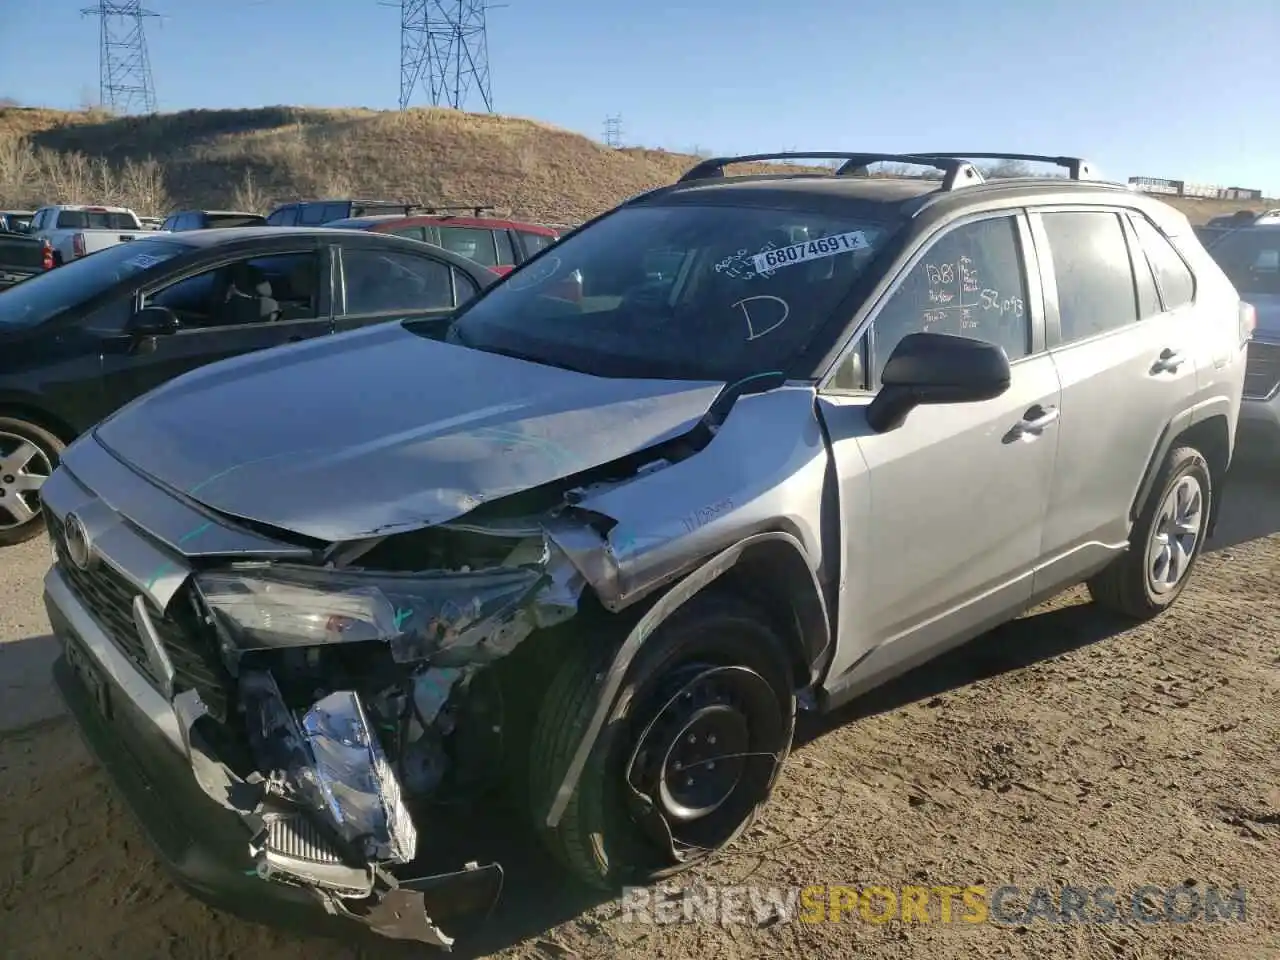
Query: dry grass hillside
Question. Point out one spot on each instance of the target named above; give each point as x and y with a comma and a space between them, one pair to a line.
250, 159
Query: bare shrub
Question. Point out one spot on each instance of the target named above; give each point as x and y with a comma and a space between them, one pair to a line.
247, 197
32, 176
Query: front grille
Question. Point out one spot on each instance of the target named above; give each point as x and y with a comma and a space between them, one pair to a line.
108, 596
1262, 372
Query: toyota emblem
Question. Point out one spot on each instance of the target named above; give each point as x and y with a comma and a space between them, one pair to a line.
75, 539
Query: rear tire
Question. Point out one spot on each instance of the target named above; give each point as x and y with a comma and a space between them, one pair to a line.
712, 686
1165, 543
28, 456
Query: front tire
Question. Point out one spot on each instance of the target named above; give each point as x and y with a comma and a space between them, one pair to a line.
1165, 543
688, 755
28, 456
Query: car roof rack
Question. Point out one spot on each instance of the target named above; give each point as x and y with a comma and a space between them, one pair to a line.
1077, 168
956, 173
475, 209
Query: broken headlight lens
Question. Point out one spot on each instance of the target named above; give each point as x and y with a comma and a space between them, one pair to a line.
330, 758
266, 606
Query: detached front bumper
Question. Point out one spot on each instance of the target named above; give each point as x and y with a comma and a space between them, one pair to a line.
139, 739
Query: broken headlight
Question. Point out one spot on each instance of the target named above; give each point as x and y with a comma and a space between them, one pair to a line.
331, 760
265, 606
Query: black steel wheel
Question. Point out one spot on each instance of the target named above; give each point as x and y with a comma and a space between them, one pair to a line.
689, 754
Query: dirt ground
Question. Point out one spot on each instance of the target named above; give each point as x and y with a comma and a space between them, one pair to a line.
1058, 750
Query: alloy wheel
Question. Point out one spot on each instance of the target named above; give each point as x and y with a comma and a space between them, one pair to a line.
1175, 535
24, 468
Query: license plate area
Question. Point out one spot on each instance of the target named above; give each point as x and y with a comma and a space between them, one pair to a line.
88, 673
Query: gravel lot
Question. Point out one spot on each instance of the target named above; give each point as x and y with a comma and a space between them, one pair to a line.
1056, 750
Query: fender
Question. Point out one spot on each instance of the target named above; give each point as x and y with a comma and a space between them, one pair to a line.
1174, 429
671, 601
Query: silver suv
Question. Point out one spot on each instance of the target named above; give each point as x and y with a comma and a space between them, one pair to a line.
739, 445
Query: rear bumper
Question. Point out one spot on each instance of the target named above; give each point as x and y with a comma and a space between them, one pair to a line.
138, 741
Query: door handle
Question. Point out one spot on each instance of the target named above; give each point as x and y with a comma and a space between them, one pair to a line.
1033, 423
1169, 361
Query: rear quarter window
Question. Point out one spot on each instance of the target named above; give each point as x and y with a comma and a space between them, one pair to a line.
1177, 284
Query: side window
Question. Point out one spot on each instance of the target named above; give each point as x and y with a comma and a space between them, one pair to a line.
380, 281
470, 242
533, 242
852, 372
192, 299
1091, 264
311, 215
506, 253
260, 290
413, 233
334, 211
1144, 277
969, 283
168, 224
1177, 285
465, 288
287, 217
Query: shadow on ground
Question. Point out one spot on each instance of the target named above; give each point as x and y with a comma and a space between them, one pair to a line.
1250, 506
26, 694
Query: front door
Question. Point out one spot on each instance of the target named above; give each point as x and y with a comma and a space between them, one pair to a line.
236, 307
1127, 367
942, 517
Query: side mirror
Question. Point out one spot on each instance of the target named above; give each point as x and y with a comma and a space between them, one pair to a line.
153, 322
928, 368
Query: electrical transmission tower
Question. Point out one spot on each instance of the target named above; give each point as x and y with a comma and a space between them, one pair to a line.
124, 69
613, 131
444, 45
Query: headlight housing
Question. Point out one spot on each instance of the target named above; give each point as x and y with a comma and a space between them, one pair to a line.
264, 606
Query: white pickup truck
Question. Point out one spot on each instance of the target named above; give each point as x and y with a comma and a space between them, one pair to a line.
75, 230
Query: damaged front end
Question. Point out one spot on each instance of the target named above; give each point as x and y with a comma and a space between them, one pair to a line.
343, 703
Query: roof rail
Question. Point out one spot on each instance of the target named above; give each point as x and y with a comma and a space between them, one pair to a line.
1077, 169
957, 173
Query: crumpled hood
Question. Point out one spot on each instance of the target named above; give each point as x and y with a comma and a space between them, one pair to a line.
1267, 306
381, 430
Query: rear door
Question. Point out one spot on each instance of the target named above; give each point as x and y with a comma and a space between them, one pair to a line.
1128, 368
227, 308
375, 285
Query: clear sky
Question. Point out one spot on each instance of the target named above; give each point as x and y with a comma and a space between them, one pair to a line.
1167, 88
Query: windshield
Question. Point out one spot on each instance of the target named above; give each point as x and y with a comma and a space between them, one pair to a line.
1250, 259
95, 220
677, 292
36, 300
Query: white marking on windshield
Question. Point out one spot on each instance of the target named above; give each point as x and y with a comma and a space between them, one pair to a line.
762, 315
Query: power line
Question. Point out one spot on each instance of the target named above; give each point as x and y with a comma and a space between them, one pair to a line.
125, 84
444, 46
613, 131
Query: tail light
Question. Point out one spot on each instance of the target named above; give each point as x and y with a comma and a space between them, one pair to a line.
77, 245
1248, 320
46, 255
